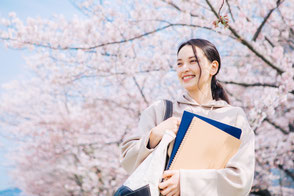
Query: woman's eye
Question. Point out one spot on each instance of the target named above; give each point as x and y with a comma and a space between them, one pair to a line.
179, 64
193, 61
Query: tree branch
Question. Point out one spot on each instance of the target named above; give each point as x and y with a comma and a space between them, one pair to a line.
115, 42
253, 84
116, 104
271, 43
91, 47
276, 126
117, 142
81, 76
139, 88
179, 9
220, 8
279, 2
283, 18
288, 172
231, 13
172, 4
248, 85
247, 44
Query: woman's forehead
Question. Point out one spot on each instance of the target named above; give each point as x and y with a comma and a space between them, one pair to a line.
186, 52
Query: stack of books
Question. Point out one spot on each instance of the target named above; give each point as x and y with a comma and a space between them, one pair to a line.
203, 143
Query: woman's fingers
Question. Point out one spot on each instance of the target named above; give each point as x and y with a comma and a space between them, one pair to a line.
173, 193
167, 191
171, 186
164, 184
168, 173
178, 121
167, 187
171, 123
175, 122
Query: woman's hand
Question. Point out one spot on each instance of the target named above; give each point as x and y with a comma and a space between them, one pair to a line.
171, 186
157, 132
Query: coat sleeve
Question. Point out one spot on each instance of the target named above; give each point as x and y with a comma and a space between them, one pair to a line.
235, 179
134, 149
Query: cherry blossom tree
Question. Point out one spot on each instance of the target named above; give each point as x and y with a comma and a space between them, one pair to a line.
90, 78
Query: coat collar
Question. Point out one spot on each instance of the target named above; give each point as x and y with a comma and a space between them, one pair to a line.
187, 99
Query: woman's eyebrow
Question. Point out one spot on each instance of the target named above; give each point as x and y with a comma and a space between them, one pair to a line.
191, 57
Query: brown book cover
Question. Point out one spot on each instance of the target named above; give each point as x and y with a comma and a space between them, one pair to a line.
204, 146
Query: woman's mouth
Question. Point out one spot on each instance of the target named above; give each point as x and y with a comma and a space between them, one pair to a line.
188, 78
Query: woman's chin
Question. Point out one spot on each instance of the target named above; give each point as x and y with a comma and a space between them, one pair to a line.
189, 87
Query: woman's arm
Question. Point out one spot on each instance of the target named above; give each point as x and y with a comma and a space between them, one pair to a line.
134, 149
137, 148
236, 179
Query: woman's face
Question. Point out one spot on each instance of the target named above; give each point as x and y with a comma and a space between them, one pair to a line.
188, 70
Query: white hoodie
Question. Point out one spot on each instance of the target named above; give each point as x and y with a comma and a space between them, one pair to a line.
235, 179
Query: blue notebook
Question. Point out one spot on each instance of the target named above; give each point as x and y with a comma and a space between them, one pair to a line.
185, 123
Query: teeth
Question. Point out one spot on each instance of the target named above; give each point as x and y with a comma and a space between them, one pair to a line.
186, 77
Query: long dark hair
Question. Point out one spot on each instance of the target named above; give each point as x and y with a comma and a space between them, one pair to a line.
211, 53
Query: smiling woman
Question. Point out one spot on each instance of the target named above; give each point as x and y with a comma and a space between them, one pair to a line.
198, 64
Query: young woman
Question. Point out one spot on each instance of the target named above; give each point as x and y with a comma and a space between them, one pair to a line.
198, 64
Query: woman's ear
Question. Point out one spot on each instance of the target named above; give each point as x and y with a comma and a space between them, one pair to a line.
214, 67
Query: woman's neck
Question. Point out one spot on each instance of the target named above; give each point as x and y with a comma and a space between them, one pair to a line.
201, 96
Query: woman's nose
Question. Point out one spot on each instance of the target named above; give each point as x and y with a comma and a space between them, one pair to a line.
185, 67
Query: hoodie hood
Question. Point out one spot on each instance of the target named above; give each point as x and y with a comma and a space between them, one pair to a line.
185, 98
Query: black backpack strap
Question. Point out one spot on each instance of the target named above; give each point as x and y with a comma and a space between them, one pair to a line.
168, 113
168, 109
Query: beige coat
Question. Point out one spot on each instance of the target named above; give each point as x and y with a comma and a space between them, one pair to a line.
236, 179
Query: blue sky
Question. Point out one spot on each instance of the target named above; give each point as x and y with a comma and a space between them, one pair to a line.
12, 61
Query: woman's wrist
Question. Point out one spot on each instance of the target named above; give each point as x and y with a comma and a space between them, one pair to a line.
154, 138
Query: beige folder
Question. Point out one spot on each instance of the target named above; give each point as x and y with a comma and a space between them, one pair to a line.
205, 147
